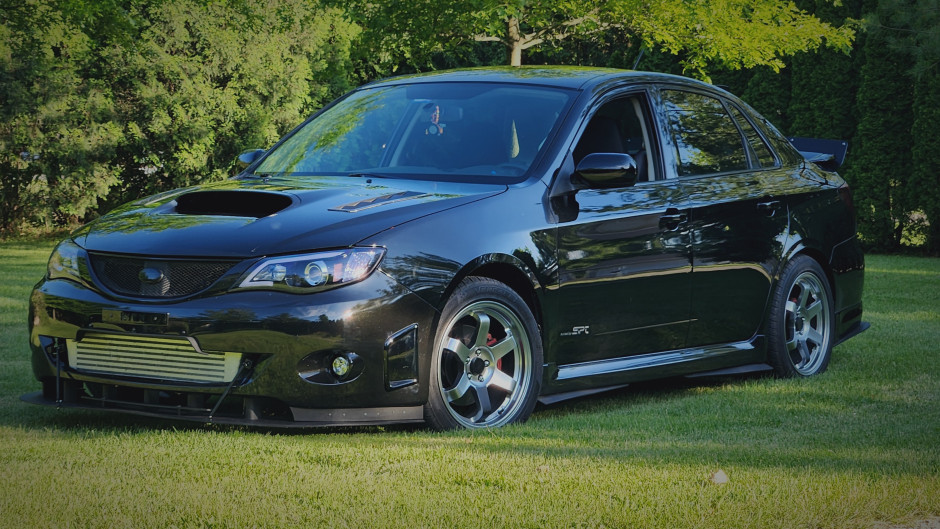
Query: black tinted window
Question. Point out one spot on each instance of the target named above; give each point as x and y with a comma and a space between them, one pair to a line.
705, 136
620, 127
468, 131
764, 157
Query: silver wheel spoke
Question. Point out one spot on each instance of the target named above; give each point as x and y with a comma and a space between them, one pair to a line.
474, 387
806, 325
813, 310
503, 381
458, 348
804, 294
483, 330
483, 401
814, 336
457, 391
505, 346
804, 353
792, 345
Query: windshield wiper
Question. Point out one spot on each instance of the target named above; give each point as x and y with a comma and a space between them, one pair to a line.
367, 175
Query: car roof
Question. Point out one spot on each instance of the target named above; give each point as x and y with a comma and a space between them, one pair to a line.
572, 77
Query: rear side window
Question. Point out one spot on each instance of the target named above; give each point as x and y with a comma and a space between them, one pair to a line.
785, 151
705, 137
765, 157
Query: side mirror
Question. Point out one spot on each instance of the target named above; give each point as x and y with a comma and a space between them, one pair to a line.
248, 157
606, 169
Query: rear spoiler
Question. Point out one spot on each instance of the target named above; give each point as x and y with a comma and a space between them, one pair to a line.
828, 154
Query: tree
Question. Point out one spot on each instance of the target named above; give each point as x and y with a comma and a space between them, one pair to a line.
922, 19
55, 138
910, 29
209, 79
737, 33
109, 100
881, 159
824, 82
925, 179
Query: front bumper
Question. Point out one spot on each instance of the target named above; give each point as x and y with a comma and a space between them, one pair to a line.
250, 357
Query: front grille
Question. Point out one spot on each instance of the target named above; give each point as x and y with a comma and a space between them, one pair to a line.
171, 359
169, 278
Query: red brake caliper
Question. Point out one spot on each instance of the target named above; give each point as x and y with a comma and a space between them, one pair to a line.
490, 342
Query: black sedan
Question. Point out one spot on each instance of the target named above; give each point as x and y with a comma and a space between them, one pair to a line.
455, 247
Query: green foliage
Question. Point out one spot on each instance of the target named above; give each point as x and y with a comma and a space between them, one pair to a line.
736, 33
881, 166
107, 100
209, 80
56, 138
925, 151
732, 33
824, 82
112, 100
912, 30
769, 93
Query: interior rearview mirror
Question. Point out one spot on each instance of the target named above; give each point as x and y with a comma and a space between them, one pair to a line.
248, 157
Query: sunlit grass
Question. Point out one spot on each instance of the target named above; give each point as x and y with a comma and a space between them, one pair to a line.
856, 445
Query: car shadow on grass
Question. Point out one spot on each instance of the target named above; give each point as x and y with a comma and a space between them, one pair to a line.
78, 420
742, 420
29, 416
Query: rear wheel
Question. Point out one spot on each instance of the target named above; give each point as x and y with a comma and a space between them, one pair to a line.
487, 365
800, 333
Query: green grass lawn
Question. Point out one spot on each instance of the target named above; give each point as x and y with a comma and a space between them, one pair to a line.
857, 445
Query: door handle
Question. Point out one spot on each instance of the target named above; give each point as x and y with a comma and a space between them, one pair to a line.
672, 218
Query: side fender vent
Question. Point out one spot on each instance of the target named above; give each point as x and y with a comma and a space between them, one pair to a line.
401, 358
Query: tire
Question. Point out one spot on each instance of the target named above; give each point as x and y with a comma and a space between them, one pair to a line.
486, 368
800, 329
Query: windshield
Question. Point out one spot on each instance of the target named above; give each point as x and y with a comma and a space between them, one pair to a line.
474, 130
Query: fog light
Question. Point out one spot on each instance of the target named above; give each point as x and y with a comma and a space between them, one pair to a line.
341, 366
330, 367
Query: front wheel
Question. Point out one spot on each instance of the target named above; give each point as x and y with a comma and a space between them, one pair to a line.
487, 365
800, 332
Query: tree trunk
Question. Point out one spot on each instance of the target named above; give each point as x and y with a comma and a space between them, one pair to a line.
514, 41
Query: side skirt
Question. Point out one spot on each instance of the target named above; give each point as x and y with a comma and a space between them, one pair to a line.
622, 370
740, 370
559, 397
857, 329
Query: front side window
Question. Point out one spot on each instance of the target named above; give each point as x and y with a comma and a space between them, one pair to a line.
620, 126
705, 137
458, 131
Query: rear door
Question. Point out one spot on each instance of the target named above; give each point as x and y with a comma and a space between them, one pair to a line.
738, 221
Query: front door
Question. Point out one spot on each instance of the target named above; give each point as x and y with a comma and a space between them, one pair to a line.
624, 260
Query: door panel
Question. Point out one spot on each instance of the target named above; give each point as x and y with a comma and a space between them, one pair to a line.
738, 223
738, 228
624, 273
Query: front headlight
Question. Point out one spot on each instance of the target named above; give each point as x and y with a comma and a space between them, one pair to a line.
68, 261
313, 272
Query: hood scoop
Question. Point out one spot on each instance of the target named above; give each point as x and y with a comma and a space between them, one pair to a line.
231, 203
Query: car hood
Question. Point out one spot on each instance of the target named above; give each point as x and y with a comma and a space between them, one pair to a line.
254, 217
